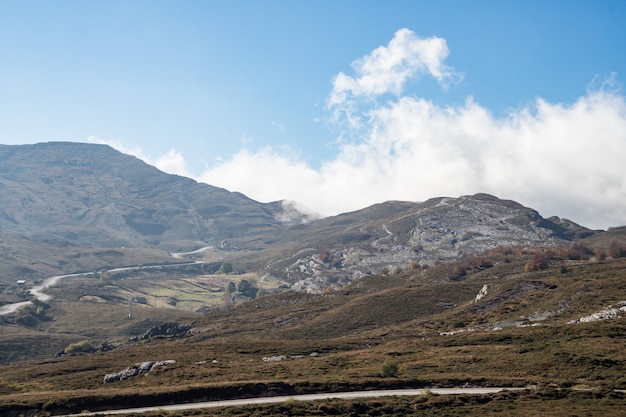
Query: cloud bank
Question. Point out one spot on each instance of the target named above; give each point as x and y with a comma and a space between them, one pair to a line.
564, 159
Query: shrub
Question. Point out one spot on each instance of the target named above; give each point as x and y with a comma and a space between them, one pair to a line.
389, 368
482, 263
456, 273
427, 393
84, 346
244, 286
575, 251
335, 262
226, 268
538, 262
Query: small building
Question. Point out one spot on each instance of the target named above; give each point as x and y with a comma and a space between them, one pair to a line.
21, 282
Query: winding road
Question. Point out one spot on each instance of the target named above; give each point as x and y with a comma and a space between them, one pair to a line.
38, 291
303, 397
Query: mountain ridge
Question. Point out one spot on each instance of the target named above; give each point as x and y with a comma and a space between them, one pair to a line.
95, 195
88, 195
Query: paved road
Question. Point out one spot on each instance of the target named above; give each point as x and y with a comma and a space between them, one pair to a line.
304, 397
38, 291
193, 252
12, 308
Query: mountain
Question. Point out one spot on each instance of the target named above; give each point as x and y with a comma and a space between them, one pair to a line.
93, 195
485, 283
407, 235
473, 290
62, 196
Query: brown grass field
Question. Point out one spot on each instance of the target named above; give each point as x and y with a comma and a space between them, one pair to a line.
521, 334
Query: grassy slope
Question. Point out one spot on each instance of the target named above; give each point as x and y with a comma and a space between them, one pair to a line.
97, 309
397, 317
529, 404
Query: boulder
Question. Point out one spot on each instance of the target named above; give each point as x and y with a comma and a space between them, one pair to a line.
167, 330
136, 369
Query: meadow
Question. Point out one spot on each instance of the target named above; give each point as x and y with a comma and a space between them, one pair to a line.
526, 332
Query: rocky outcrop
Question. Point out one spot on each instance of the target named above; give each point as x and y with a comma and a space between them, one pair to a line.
136, 369
482, 293
86, 196
608, 313
167, 330
405, 235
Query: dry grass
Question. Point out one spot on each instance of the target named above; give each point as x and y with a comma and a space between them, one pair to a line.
533, 404
353, 331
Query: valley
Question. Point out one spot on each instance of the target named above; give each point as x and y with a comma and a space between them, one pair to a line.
188, 293
297, 343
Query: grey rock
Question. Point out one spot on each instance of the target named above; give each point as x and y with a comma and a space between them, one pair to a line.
136, 369
167, 330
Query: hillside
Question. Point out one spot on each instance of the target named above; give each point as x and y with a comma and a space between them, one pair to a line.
251, 298
409, 235
88, 210
94, 196
64, 199
560, 326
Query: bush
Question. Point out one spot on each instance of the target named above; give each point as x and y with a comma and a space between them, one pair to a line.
84, 346
538, 262
389, 369
226, 268
324, 256
244, 286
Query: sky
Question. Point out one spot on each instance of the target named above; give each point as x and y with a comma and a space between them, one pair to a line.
339, 104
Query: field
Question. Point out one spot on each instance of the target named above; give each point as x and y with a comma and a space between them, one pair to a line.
538, 403
526, 331
113, 307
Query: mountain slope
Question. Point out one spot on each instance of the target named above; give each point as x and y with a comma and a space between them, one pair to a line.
406, 235
92, 195
86, 195
531, 328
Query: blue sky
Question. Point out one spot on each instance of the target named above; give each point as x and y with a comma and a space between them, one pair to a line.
336, 104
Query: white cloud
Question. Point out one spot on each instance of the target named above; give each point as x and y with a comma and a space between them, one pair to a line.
295, 213
561, 159
266, 174
279, 126
173, 162
565, 160
121, 146
388, 68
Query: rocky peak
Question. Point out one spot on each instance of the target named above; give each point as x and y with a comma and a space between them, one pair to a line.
440, 229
